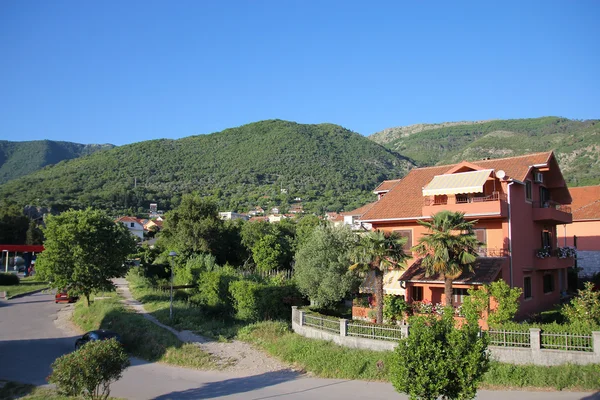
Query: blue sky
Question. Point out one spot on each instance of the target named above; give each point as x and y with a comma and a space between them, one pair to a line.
126, 71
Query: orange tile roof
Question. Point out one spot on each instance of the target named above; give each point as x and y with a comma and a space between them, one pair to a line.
484, 270
360, 210
129, 219
586, 202
405, 199
386, 185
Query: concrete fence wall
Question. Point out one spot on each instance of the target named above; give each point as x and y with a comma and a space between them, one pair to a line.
534, 354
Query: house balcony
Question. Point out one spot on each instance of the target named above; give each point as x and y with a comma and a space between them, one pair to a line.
493, 204
552, 212
560, 258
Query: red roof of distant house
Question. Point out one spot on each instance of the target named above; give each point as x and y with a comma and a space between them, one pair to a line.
129, 219
586, 202
405, 198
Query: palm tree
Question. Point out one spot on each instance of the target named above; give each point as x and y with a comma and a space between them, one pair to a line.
449, 247
378, 252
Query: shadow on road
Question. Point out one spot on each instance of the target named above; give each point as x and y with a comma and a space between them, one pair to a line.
232, 386
29, 360
593, 396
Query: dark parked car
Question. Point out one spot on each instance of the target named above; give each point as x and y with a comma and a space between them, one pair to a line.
63, 296
100, 334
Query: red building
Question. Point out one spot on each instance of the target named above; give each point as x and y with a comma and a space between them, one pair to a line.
518, 203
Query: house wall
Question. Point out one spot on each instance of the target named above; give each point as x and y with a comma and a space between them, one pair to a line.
526, 236
587, 232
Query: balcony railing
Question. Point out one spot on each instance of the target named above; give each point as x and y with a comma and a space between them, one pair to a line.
552, 204
463, 199
484, 252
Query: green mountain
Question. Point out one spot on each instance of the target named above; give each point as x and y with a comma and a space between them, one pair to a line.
265, 163
21, 158
575, 143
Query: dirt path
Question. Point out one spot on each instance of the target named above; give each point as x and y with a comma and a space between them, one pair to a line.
241, 358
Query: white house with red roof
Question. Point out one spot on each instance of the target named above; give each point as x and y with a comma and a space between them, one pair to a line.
134, 225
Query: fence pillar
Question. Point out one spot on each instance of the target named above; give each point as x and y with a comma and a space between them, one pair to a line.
344, 327
596, 343
534, 339
404, 330
294, 313
301, 317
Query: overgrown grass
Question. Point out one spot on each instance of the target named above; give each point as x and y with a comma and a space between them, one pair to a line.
30, 284
559, 377
185, 316
24, 391
328, 360
141, 337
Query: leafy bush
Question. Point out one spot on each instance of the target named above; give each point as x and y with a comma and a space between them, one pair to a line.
585, 308
89, 371
394, 308
213, 291
438, 359
189, 273
8, 279
254, 301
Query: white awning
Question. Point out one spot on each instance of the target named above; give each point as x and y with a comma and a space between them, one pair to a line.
391, 282
462, 182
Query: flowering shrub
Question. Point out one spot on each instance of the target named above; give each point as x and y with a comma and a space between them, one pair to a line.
422, 307
543, 252
566, 252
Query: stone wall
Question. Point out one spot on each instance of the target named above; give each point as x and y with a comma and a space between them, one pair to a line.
589, 262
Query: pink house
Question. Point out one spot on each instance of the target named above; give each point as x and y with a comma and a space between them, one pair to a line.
584, 232
518, 203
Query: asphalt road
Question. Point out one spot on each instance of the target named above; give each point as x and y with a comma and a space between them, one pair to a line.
29, 342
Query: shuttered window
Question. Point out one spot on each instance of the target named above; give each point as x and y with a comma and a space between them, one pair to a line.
406, 233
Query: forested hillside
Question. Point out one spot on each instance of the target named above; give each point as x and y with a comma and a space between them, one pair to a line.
21, 158
576, 143
265, 163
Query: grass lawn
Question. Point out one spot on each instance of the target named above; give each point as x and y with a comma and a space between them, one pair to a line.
141, 337
30, 284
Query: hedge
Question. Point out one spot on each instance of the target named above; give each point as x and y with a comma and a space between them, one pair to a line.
8, 279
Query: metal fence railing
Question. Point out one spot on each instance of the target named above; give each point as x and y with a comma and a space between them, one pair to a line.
505, 338
566, 341
533, 338
318, 322
374, 331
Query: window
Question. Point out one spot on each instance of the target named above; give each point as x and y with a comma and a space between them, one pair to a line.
546, 239
527, 287
417, 293
544, 197
459, 295
548, 283
481, 236
406, 233
132, 224
528, 192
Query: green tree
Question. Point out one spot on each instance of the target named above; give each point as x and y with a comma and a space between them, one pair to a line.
377, 251
305, 227
83, 251
321, 268
448, 248
89, 371
267, 253
34, 234
585, 308
193, 227
437, 359
13, 224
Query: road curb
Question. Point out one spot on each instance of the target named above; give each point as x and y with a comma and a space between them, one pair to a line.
16, 296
